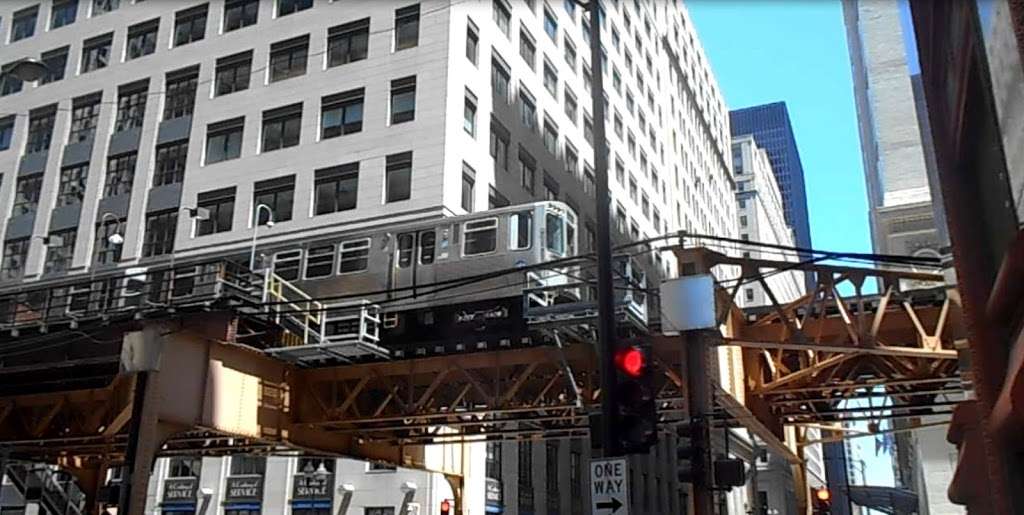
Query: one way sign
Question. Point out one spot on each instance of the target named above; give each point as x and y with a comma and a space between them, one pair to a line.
609, 494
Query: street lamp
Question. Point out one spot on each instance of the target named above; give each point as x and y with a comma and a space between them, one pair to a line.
255, 231
117, 238
27, 70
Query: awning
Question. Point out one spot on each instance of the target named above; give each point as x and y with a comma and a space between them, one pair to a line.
178, 507
311, 504
242, 506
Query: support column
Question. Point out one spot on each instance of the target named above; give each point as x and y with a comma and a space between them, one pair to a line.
143, 442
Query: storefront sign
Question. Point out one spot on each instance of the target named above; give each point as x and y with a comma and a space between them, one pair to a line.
244, 488
492, 496
313, 486
180, 490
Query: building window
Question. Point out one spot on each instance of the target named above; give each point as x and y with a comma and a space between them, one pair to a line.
500, 78
287, 264
480, 237
502, 16
550, 25
131, 105
527, 48
620, 172
550, 136
468, 181
240, 13
527, 108
104, 6
242, 465
142, 39
23, 24
15, 252
743, 220
160, 231
645, 206
40, 129
185, 467
527, 170
748, 293
472, 42
571, 107
286, 7
348, 43
398, 173
403, 99
108, 252
85, 112
190, 25
336, 189
233, 73
59, 255
493, 463
72, 184
6, 132
570, 53
9, 84
56, 62
588, 129
170, 163
500, 139
550, 79
288, 58
181, 93
407, 27
63, 13
469, 114
354, 256
120, 175
341, 113
277, 194
572, 160
282, 127
221, 204
26, 194
526, 477
224, 140
551, 466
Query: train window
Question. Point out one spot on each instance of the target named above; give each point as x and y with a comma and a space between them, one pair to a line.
480, 237
555, 229
320, 261
570, 238
406, 246
520, 228
428, 242
286, 264
355, 256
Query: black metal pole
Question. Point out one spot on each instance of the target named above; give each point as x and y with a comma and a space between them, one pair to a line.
700, 409
131, 452
605, 299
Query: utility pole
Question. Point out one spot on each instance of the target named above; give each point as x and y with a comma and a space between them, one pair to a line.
605, 298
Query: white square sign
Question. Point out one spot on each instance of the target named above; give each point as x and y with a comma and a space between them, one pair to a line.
609, 481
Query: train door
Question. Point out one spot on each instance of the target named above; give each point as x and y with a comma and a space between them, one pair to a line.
415, 252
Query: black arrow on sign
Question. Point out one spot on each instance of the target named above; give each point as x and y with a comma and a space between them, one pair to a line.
613, 505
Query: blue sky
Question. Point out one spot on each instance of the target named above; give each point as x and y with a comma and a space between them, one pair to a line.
795, 51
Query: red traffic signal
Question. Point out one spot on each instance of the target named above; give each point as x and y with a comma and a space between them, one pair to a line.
823, 495
446, 507
631, 361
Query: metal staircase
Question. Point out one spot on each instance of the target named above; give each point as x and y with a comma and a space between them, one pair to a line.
56, 492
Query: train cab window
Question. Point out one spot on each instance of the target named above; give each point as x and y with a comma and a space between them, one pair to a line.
520, 230
320, 261
570, 238
480, 237
555, 230
286, 264
355, 256
406, 246
428, 243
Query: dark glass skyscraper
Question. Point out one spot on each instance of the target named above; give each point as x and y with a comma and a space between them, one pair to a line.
769, 124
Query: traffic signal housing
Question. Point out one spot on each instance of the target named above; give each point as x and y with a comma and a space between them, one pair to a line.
634, 424
692, 451
822, 501
446, 507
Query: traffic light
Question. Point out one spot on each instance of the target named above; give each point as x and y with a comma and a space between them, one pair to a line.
634, 423
692, 451
822, 501
446, 507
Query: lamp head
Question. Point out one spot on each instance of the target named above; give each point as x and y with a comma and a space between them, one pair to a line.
115, 239
28, 70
